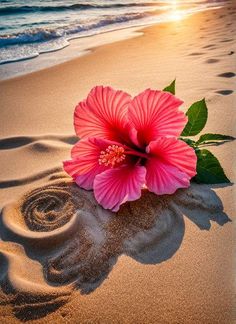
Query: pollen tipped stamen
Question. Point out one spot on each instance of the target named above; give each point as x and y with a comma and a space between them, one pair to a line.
113, 155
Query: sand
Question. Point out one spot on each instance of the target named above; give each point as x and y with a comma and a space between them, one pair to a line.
63, 258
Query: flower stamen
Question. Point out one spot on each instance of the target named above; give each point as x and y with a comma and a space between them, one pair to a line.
113, 155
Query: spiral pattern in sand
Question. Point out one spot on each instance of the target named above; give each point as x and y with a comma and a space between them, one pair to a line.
48, 208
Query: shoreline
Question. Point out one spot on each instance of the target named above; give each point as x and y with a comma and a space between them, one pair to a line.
77, 47
9, 69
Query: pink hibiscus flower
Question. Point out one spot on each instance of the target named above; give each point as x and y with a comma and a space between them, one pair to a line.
128, 144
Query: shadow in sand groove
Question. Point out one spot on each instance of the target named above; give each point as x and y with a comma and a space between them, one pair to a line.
69, 242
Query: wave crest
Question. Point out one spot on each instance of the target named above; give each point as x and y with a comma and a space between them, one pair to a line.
78, 6
37, 35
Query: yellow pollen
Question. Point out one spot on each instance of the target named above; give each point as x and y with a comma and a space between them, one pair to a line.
112, 155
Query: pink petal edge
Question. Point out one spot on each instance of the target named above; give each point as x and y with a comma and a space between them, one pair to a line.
103, 114
155, 113
114, 187
163, 179
174, 152
84, 165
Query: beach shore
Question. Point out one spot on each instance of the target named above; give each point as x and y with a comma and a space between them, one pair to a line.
167, 267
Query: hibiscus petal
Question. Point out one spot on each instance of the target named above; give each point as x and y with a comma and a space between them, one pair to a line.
155, 113
174, 152
86, 180
84, 165
103, 114
114, 187
163, 178
171, 165
70, 166
86, 153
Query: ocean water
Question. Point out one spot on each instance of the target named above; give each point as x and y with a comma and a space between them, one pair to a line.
30, 28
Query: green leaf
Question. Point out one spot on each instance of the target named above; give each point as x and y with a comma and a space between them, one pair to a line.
209, 170
170, 88
188, 141
197, 117
213, 137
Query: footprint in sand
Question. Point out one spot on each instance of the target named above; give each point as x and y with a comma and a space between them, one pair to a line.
196, 54
227, 40
225, 92
227, 75
67, 241
209, 46
210, 61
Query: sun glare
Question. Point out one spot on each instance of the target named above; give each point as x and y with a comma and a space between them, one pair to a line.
175, 13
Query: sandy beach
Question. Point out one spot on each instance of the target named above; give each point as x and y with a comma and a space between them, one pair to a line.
63, 259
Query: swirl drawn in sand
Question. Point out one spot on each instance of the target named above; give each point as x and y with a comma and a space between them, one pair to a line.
61, 239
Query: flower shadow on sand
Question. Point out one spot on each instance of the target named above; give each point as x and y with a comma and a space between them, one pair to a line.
57, 239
